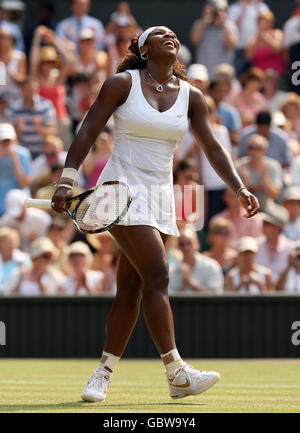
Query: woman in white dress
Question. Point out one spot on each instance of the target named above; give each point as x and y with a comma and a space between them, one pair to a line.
152, 102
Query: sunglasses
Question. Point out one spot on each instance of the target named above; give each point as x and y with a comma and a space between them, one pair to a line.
46, 256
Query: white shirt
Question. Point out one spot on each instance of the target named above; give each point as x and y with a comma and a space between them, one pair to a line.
295, 171
248, 23
93, 279
50, 280
276, 100
292, 282
291, 32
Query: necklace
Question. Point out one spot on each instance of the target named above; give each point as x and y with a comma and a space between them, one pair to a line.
159, 88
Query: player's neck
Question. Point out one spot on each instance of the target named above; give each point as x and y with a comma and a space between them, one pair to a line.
162, 71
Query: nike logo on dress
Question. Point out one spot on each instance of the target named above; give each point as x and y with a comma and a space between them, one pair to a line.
185, 385
180, 115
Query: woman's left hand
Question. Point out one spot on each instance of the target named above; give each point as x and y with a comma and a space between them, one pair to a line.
249, 203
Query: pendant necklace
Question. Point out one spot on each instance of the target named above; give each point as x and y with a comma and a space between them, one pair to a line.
159, 88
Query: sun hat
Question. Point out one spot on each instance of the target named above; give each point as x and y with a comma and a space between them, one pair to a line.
247, 243
7, 132
196, 71
14, 203
41, 246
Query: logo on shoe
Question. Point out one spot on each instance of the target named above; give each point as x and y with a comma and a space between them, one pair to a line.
185, 385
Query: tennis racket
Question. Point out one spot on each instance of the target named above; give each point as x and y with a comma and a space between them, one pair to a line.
95, 210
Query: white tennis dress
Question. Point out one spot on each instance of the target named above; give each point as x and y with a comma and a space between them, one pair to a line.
143, 155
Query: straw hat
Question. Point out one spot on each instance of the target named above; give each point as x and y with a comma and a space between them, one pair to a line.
41, 246
48, 54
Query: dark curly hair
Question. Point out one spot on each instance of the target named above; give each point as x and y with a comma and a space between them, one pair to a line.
133, 60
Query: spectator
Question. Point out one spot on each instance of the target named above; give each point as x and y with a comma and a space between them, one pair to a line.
70, 27
262, 175
51, 71
225, 74
291, 201
229, 116
14, 61
244, 14
290, 107
82, 281
90, 61
212, 182
199, 74
97, 157
118, 48
11, 257
195, 272
271, 91
274, 248
289, 280
13, 29
213, 29
219, 232
14, 163
121, 17
265, 50
280, 121
184, 55
39, 279
278, 147
33, 116
249, 101
234, 213
247, 276
295, 171
31, 223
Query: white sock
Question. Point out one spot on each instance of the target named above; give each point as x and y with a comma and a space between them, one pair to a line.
108, 361
172, 361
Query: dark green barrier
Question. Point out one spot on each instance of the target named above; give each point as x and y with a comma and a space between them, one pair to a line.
206, 327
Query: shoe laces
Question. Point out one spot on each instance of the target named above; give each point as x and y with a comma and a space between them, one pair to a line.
98, 379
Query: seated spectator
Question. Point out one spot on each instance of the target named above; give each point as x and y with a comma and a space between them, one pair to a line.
213, 29
291, 201
51, 65
234, 213
244, 14
58, 233
290, 107
199, 74
118, 48
295, 171
31, 223
247, 276
97, 157
289, 280
271, 90
122, 16
278, 140
82, 281
262, 175
14, 61
90, 61
38, 279
225, 74
13, 29
14, 163
195, 273
33, 116
280, 121
274, 248
219, 232
265, 50
11, 257
249, 101
228, 115
69, 28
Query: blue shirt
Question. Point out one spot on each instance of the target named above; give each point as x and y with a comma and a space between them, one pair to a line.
229, 116
8, 179
16, 34
278, 146
70, 27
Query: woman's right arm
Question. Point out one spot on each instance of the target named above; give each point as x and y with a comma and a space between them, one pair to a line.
113, 93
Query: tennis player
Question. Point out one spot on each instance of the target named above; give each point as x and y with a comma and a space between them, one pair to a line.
152, 103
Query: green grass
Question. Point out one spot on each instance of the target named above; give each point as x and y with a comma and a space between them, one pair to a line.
140, 386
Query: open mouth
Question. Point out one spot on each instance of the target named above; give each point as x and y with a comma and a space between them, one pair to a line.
169, 43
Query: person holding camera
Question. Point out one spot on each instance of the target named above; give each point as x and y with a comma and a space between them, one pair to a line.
289, 280
214, 30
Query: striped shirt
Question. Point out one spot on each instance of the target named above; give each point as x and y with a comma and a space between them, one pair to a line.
42, 109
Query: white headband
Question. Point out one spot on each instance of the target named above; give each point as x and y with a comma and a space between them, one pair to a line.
143, 36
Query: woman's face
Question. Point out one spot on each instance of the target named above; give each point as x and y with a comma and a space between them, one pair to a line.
291, 110
78, 262
253, 85
246, 259
6, 41
264, 24
86, 45
162, 41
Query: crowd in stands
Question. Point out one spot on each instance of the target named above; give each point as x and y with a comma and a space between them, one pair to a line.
54, 73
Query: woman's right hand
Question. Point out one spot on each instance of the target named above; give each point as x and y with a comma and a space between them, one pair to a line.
59, 198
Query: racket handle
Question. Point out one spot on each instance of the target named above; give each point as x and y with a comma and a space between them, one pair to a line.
39, 203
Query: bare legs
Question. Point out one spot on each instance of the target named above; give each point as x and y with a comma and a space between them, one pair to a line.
142, 274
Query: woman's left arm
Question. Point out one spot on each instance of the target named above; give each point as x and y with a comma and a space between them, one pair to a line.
217, 155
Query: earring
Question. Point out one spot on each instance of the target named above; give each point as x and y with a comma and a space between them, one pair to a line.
144, 56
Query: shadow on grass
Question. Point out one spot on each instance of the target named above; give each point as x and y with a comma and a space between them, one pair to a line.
83, 405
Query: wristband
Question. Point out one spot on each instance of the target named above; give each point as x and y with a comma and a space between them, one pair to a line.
65, 185
69, 173
239, 191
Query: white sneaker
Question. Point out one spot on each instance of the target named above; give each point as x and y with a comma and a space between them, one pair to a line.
188, 381
97, 385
